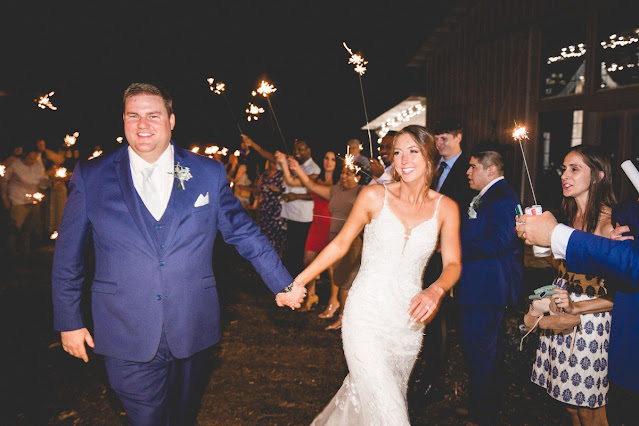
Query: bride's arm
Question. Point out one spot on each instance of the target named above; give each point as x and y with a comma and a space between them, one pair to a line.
426, 303
367, 204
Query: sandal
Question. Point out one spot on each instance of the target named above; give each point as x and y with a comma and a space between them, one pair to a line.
330, 311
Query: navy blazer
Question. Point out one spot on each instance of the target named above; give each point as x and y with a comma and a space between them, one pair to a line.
614, 260
138, 289
492, 255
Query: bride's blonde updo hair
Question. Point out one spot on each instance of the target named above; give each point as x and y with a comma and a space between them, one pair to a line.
426, 144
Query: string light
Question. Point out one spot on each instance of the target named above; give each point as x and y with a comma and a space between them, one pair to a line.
401, 117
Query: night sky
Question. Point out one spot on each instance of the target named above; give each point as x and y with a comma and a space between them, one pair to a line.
90, 53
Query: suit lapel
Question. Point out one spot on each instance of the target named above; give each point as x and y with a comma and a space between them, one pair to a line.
181, 199
129, 193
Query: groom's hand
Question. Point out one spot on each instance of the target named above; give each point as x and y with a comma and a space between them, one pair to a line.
73, 342
293, 298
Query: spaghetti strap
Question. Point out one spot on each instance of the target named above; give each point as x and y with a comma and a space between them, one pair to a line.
437, 206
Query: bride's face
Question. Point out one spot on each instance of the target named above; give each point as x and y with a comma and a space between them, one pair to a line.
408, 159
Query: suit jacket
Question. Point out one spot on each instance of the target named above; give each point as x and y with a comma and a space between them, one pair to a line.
456, 184
492, 255
615, 261
140, 288
456, 187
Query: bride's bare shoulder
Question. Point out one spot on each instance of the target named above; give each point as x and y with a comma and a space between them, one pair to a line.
371, 193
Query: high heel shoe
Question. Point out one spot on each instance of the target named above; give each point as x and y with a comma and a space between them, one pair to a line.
310, 302
329, 312
336, 325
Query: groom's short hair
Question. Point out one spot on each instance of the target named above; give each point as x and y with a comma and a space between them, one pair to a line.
135, 89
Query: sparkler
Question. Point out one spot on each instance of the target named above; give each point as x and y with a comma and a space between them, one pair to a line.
69, 140
2, 169
61, 172
360, 69
54, 235
119, 139
265, 90
219, 88
44, 101
519, 134
253, 112
35, 197
96, 153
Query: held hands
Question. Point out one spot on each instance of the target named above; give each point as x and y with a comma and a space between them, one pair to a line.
73, 343
294, 165
280, 157
293, 298
536, 230
425, 304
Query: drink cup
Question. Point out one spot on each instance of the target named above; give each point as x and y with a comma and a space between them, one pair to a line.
537, 210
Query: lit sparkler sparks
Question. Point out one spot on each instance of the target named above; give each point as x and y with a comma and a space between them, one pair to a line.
44, 101
61, 172
253, 112
265, 89
195, 149
119, 139
216, 87
520, 134
2, 169
360, 69
69, 140
224, 151
35, 197
237, 153
210, 150
357, 60
96, 153
54, 235
219, 88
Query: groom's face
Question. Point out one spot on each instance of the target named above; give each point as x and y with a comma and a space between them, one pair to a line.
147, 125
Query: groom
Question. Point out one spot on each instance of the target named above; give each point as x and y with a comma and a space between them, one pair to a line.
152, 211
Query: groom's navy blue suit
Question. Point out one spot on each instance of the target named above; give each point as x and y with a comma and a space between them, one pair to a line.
491, 279
153, 285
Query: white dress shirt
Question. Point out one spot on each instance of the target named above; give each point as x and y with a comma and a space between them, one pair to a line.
162, 178
300, 210
559, 240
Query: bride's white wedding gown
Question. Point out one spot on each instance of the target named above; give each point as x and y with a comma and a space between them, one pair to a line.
380, 341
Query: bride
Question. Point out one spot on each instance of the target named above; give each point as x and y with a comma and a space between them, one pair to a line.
386, 310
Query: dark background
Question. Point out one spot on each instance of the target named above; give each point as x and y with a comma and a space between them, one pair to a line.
88, 53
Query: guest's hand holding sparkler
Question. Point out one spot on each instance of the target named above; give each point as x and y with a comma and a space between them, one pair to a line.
377, 168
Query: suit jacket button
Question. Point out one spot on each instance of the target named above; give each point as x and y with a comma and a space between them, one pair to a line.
158, 297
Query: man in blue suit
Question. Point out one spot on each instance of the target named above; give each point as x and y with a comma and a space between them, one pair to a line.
618, 262
152, 211
491, 279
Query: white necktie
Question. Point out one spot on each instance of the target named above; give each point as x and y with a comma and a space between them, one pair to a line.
150, 192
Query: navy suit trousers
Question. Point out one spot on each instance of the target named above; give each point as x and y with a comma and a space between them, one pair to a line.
483, 346
163, 391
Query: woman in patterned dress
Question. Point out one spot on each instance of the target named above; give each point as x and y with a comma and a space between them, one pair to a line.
573, 364
271, 185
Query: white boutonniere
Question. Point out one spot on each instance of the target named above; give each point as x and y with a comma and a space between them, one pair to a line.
472, 213
182, 174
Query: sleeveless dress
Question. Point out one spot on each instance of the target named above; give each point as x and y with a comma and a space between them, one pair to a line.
380, 341
576, 373
317, 237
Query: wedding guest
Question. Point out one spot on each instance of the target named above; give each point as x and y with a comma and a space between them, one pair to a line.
16, 152
238, 176
491, 279
319, 232
354, 147
297, 207
382, 169
23, 179
573, 366
341, 198
618, 261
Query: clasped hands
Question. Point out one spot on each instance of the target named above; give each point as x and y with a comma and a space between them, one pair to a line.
293, 299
